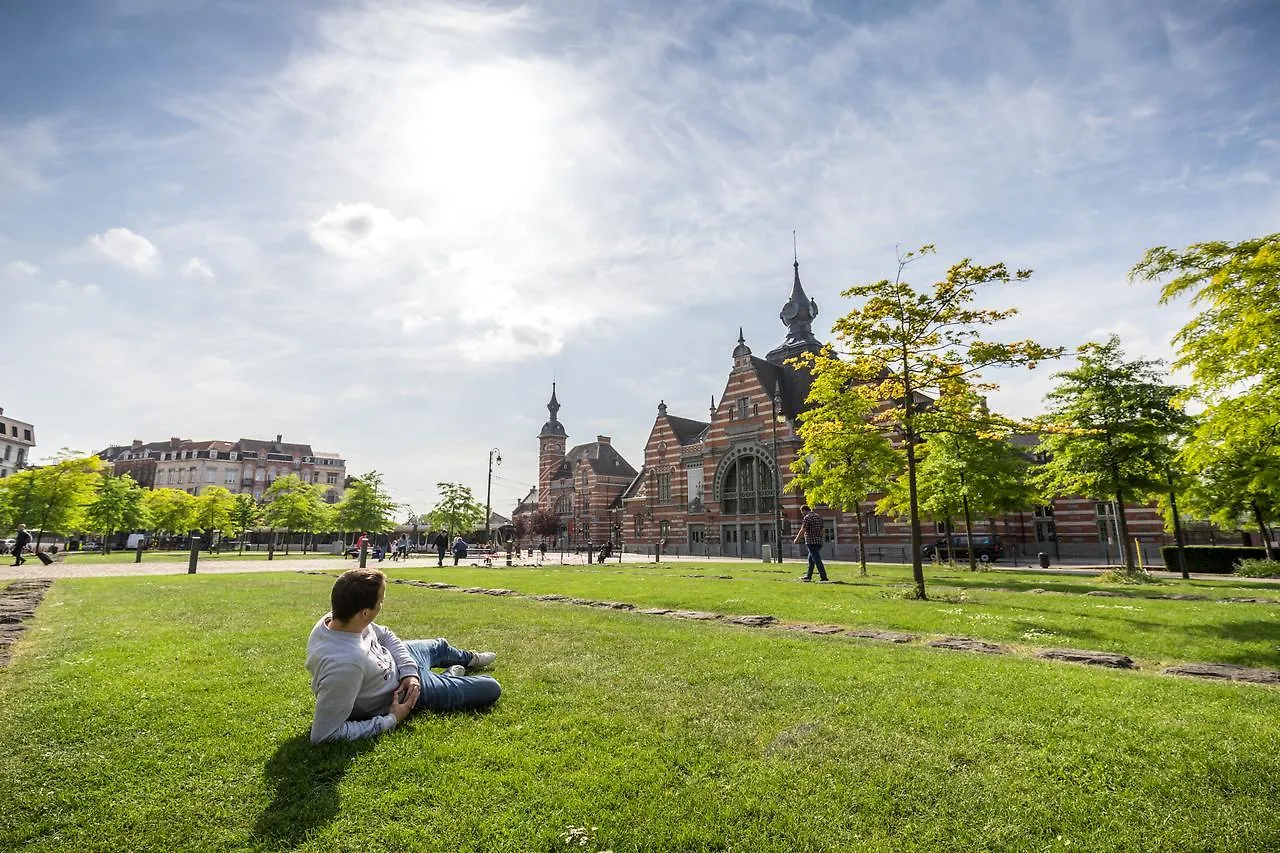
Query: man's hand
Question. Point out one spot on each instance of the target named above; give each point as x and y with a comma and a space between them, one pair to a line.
405, 697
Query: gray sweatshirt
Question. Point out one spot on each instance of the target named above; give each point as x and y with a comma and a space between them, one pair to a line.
354, 677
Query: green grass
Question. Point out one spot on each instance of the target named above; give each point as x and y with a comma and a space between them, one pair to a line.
93, 558
170, 713
993, 606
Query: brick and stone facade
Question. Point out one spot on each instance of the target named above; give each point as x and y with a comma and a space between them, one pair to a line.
718, 486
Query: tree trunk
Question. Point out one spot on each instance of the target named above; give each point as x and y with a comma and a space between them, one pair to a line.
1178, 539
1262, 529
917, 565
1122, 533
862, 545
968, 531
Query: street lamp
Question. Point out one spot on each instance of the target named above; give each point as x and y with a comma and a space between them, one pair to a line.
488, 494
777, 476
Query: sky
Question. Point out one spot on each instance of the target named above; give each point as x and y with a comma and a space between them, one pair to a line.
385, 228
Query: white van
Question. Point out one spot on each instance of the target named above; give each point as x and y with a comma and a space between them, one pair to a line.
134, 539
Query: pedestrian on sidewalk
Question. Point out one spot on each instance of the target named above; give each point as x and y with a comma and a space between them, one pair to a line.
811, 529
20, 541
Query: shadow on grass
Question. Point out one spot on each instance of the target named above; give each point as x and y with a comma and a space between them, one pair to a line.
306, 779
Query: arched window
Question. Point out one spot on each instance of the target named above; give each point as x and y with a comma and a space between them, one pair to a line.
748, 487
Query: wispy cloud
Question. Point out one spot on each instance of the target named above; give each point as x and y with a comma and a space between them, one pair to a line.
198, 268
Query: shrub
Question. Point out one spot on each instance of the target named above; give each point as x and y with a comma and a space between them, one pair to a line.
1213, 559
1258, 568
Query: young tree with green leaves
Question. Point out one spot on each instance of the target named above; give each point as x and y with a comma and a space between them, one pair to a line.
1235, 454
1109, 431
292, 505
366, 506
845, 457
1230, 347
545, 523
172, 511
118, 505
457, 511
213, 510
245, 514
52, 498
903, 345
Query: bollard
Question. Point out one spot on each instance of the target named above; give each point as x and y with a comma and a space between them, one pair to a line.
195, 554
364, 552
271, 549
137, 552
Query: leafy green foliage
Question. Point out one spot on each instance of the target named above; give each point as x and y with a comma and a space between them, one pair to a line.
457, 512
1234, 340
1109, 431
171, 511
244, 515
366, 506
118, 505
213, 509
545, 523
53, 497
903, 345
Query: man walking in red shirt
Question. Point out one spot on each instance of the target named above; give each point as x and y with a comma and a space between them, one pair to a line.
811, 527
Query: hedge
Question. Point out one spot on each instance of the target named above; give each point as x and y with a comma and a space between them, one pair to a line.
1212, 559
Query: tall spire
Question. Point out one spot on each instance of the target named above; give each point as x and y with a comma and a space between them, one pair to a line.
553, 426
798, 315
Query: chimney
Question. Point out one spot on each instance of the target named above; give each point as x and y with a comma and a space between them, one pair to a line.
603, 439
174, 440
279, 436
137, 442
1, 410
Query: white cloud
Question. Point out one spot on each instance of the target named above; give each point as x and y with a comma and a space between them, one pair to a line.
198, 268
25, 268
129, 250
363, 231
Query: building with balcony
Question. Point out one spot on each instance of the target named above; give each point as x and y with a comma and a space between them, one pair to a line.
18, 438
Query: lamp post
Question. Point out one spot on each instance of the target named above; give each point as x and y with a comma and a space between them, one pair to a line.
777, 477
488, 494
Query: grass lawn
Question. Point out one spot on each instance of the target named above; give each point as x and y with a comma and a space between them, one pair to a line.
171, 713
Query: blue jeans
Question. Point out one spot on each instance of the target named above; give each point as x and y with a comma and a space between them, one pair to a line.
449, 692
815, 559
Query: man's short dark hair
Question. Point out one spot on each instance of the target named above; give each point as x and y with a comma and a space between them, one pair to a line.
354, 590
804, 507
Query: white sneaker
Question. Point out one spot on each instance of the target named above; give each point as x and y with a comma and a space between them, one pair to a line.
480, 660
456, 669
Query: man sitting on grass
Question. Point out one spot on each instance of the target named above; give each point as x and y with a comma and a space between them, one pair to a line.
367, 680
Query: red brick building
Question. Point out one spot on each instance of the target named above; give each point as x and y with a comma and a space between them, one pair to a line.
717, 486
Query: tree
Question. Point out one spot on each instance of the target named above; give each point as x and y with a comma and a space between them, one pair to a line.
458, 511
118, 505
521, 528
366, 506
294, 505
244, 515
1230, 346
52, 498
968, 465
171, 511
1233, 342
1108, 431
845, 456
1234, 453
902, 345
213, 510
545, 523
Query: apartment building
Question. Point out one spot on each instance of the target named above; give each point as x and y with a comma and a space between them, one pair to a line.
246, 466
15, 444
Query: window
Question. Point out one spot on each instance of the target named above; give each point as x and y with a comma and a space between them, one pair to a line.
211, 475
742, 408
331, 478
26, 435
15, 431
8, 448
191, 474
755, 409
259, 475
1045, 511
693, 482
583, 478
748, 487
828, 530
664, 529
875, 525
940, 527
230, 476
639, 525
695, 535
664, 488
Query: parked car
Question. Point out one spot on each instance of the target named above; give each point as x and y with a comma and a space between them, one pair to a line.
91, 546
986, 547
